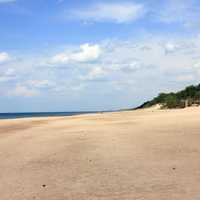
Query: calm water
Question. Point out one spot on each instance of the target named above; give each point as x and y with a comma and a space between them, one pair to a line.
39, 114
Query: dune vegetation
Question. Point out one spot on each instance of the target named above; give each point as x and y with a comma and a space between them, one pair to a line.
188, 97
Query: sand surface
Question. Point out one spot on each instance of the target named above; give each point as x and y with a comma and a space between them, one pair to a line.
137, 155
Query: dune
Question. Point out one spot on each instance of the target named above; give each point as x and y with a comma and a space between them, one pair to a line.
146, 154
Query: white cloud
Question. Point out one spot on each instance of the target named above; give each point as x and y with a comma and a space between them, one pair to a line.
10, 72
95, 73
4, 57
29, 88
21, 90
111, 12
197, 65
7, 75
40, 84
87, 53
170, 48
196, 68
125, 65
60, 58
131, 66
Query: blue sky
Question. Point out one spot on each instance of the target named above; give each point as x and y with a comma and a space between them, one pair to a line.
61, 55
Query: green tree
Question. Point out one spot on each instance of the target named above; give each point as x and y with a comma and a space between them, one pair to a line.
171, 101
190, 94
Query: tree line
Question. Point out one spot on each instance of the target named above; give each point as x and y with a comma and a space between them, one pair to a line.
184, 98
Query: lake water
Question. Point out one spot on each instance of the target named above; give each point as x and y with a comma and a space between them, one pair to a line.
39, 114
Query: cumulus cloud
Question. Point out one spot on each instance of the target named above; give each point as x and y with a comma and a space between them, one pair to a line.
87, 53
4, 57
125, 65
161, 59
121, 12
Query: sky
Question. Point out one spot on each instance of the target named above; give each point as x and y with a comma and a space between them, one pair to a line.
63, 55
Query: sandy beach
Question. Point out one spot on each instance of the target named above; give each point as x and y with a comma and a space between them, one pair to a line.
144, 155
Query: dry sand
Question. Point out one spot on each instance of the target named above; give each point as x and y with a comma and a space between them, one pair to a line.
138, 155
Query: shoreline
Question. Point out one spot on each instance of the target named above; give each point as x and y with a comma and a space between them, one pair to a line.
6, 116
77, 114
